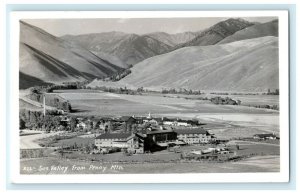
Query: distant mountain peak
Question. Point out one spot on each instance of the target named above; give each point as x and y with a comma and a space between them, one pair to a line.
253, 31
217, 32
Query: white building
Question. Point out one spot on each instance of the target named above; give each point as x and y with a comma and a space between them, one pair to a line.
194, 136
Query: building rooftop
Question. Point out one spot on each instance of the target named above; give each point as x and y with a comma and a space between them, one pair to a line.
126, 118
114, 136
191, 131
160, 131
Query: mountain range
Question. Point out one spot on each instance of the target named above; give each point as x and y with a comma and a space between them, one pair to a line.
51, 59
254, 31
230, 55
217, 32
128, 48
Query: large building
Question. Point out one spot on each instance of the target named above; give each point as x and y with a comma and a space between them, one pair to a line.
118, 140
161, 135
194, 136
132, 142
153, 139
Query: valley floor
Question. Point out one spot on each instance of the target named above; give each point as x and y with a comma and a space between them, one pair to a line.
225, 121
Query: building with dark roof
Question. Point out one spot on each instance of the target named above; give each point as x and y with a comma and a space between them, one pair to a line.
118, 140
115, 136
128, 122
194, 136
132, 142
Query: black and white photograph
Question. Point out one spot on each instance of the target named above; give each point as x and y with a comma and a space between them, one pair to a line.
150, 95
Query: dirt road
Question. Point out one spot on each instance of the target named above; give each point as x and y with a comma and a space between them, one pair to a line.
30, 141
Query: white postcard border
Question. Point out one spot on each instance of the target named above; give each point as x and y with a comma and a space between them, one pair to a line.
16, 177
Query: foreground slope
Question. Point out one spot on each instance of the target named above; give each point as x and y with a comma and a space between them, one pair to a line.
248, 65
47, 58
255, 31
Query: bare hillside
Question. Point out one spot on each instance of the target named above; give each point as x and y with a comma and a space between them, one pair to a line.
255, 31
248, 65
50, 59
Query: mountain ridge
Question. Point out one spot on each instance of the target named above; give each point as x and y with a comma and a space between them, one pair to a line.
254, 31
51, 59
217, 32
128, 48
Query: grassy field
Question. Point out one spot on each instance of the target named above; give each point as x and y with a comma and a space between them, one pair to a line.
85, 102
245, 99
70, 142
226, 121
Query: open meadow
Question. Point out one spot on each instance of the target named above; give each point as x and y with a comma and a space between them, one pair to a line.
225, 121
246, 99
85, 102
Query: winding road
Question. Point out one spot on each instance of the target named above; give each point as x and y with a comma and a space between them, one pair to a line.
29, 141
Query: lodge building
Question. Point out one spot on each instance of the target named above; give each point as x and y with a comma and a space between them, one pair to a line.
153, 139
194, 136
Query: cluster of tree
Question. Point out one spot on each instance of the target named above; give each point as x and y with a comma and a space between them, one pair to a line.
198, 98
220, 93
37, 121
62, 87
118, 76
275, 92
33, 153
50, 100
233, 93
120, 90
227, 100
237, 93
266, 106
180, 91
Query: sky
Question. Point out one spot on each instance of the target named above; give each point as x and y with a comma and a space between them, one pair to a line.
60, 27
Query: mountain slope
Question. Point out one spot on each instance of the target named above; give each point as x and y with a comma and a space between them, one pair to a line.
217, 32
173, 39
129, 49
255, 31
248, 65
51, 59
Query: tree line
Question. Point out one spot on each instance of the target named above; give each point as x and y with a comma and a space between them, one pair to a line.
180, 91
37, 121
50, 100
227, 100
